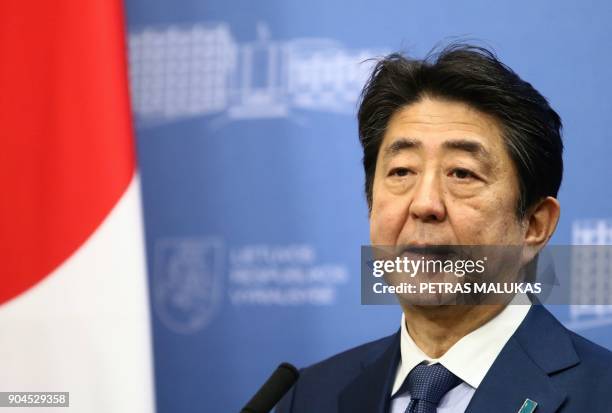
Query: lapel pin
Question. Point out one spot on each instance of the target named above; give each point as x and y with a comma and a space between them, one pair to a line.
528, 406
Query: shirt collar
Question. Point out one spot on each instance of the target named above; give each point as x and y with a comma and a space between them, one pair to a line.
471, 357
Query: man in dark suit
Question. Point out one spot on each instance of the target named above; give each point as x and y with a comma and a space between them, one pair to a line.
458, 150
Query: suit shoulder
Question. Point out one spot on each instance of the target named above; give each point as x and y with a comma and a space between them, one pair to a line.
592, 353
335, 372
350, 360
319, 385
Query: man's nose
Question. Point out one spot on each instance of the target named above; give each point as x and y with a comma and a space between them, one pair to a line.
427, 203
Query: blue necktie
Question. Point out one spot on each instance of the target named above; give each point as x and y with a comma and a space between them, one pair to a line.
427, 384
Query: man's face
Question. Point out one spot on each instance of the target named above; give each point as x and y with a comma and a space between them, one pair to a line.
443, 177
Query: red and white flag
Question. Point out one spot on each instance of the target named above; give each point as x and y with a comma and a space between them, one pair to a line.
74, 314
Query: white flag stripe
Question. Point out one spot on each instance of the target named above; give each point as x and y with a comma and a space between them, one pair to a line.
85, 328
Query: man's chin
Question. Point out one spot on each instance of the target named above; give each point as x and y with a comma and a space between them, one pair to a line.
429, 289
425, 299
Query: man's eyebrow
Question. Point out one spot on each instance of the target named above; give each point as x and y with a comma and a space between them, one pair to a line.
471, 146
400, 145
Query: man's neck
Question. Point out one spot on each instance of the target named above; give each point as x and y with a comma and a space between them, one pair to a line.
436, 328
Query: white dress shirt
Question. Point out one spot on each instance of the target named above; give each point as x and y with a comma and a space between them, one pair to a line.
469, 358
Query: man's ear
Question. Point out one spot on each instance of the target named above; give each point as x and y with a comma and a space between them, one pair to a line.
541, 222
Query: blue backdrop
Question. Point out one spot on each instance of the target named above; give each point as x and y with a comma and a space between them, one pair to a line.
252, 182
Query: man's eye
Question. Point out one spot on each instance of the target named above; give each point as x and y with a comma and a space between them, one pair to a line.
399, 172
461, 173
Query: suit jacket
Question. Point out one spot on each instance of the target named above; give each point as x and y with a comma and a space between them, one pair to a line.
542, 361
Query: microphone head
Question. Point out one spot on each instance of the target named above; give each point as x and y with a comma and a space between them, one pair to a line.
270, 393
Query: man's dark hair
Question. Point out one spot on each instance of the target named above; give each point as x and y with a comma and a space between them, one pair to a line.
472, 75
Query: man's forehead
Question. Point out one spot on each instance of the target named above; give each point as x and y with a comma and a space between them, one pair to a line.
442, 123
441, 115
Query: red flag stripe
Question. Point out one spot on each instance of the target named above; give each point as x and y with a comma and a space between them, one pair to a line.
67, 150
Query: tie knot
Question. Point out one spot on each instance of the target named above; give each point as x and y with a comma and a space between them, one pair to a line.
430, 382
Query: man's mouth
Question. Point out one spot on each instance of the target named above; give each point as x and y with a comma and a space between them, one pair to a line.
428, 251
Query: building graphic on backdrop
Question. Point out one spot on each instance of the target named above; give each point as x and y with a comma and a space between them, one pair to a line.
181, 72
590, 278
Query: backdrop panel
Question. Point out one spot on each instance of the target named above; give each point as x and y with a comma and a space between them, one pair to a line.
251, 174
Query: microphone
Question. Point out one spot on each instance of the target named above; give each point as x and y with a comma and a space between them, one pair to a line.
272, 390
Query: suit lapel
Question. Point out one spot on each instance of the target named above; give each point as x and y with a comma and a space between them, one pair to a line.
370, 391
512, 379
541, 346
